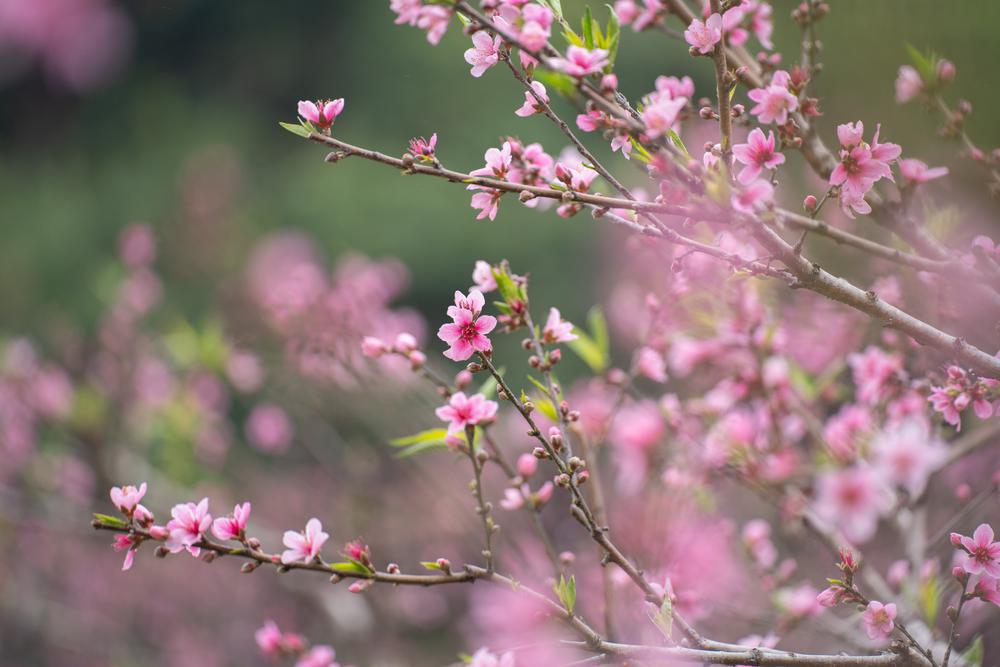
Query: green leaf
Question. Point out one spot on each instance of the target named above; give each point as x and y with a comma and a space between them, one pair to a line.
973, 656
571, 37
508, 288
664, 617
563, 84
296, 129
466, 22
566, 591
925, 64
599, 329
429, 435
588, 28
489, 388
420, 442
350, 567
108, 520
676, 140
930, 600
431, 565
541, 386
420, 448
588, 351
614, 35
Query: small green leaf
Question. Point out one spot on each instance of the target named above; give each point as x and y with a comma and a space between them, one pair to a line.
588, 28
296, 129
420, 448
108, 520
614, 36
424, 436
676, 140
466, 22
930, 600
350, 567
664, 617
571, 37
925, 64
565, 589
599, 329
431, 565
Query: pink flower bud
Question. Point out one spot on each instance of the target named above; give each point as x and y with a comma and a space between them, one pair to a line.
956, 540
810, 203
526, 465
417, 359
444, 564
609, 83
360, 586
463, 379
946, 71
544, 494
372, 347
405, 343
963, 492
159, 532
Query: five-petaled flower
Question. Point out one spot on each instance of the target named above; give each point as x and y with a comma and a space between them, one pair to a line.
462, 411
484, 54
466, 333
878, 619
126, 498
556, 329
187, 526
580, 62
704, 36
774, 101
232, 527
304, 547
322, 113
757, 154
982, 554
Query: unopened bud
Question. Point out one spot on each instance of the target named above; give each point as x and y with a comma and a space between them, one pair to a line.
444, 565
555, 356
209, 556
249, 566
161, 552
575, 463
567, 557
582, 476
528, 406
573, 415
707, 113
945, 71
474, 368
534, 361
539, 453
335, 578
810, 203
525, 196
392, 568
561, 480
463, 379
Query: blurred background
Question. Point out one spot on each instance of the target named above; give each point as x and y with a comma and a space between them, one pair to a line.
164, 114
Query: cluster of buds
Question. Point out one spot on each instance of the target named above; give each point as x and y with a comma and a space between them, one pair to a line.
809, 12
405, 346
842, 590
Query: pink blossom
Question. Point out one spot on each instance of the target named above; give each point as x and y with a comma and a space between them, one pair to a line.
877, 374
761, 23
852, 499
908, 84
845, 431
527, 464
531, 105
482, 276
484, 54
127, 497
407, 11
754, 197
466, 334
373, 348
304, 547
498, 161
627, 11
244, 370
988, 588
462, 411
651, 364
483, 658
487, 203
536, 26
232, 527
318, 656
321, 114
434, 19
660, 117
982, 553
757, 154
556, 329
128, 544
831, 596
269, 429
590, 121
757, 539
878, 619
673, 87
774, 101
801, 601
187, 526
513, 499
544, 494
580, 62
959, 392
704, 36
916, 171
424, 149
906, 454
